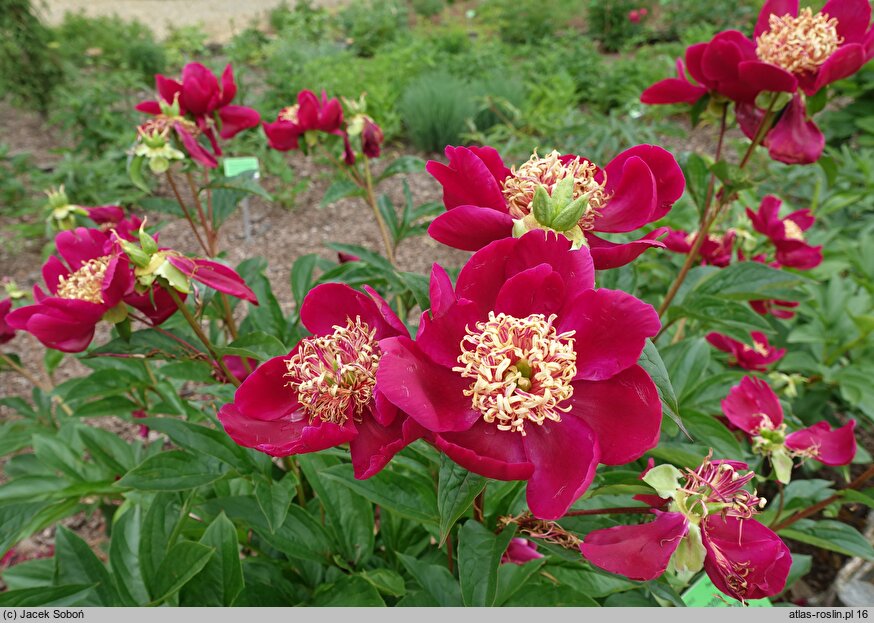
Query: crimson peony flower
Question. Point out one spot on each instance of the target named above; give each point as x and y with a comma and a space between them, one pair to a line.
716, 250
787, 234
756, 357
526, 372
197, 105
486, 201
87, 286
520, 551
714, 67
802, 50
112, 219
309, 114
6, 332
709, 524
324, 392
634, 16
753, 407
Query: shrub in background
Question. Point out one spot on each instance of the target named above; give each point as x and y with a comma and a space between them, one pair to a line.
614, 23
528, 21
29, 66
435, 109
427, 8
369, 24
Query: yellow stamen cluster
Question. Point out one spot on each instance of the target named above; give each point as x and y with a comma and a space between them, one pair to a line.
162, 124
519, 187
86, 283
758, 347
334, 375
792, 231
289, 113
798, 44
521, 369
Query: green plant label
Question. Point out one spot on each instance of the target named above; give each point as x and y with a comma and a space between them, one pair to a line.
235, 166
704, 594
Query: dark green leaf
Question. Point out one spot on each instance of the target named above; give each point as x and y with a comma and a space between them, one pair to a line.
202, 440
479, 554
76, 563
340, 189
184, 561
171, 471
124, 556
221, 580
347, 591
456, 490
434, 579
831, 535
386, 581
44, 596
651, 361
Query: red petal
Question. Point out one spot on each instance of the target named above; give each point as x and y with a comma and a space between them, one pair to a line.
485, 450
611, 329
565, 455
747, 403
776, 7
640, 552
832, 447
625, 412
431, 394
606, 254
265, 394
470, 228
466, 180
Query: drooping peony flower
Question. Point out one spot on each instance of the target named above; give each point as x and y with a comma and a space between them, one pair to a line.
6, 332
520, 551
197, 105
793, 139
714, 67
709, 524
774, 307
526, 372
716, 250
787, 234
309, 114
802, 50
324, 392
756, 357
485, 201
753, 407
371, 138
213, 274
85, 287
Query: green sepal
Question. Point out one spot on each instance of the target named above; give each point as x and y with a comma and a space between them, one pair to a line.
541, 206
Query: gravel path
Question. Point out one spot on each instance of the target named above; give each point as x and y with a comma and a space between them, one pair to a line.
219, 19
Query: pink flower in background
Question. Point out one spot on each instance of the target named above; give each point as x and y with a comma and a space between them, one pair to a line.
753, 407
239, 367
6, 332
371, 138
634, 16
309, 114
805, 50
87, 284
142, 429
199, 104
485, 201
756, 357
787, 234
526, 372
324, 392
520, 551
714, 67
112, 219
715, 251
709, 524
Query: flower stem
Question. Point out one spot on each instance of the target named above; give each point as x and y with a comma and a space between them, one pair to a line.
708, 216
186, 212
46, 387
858, 483
371, 200
291, 466
207, 227
450, 563
203, 337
